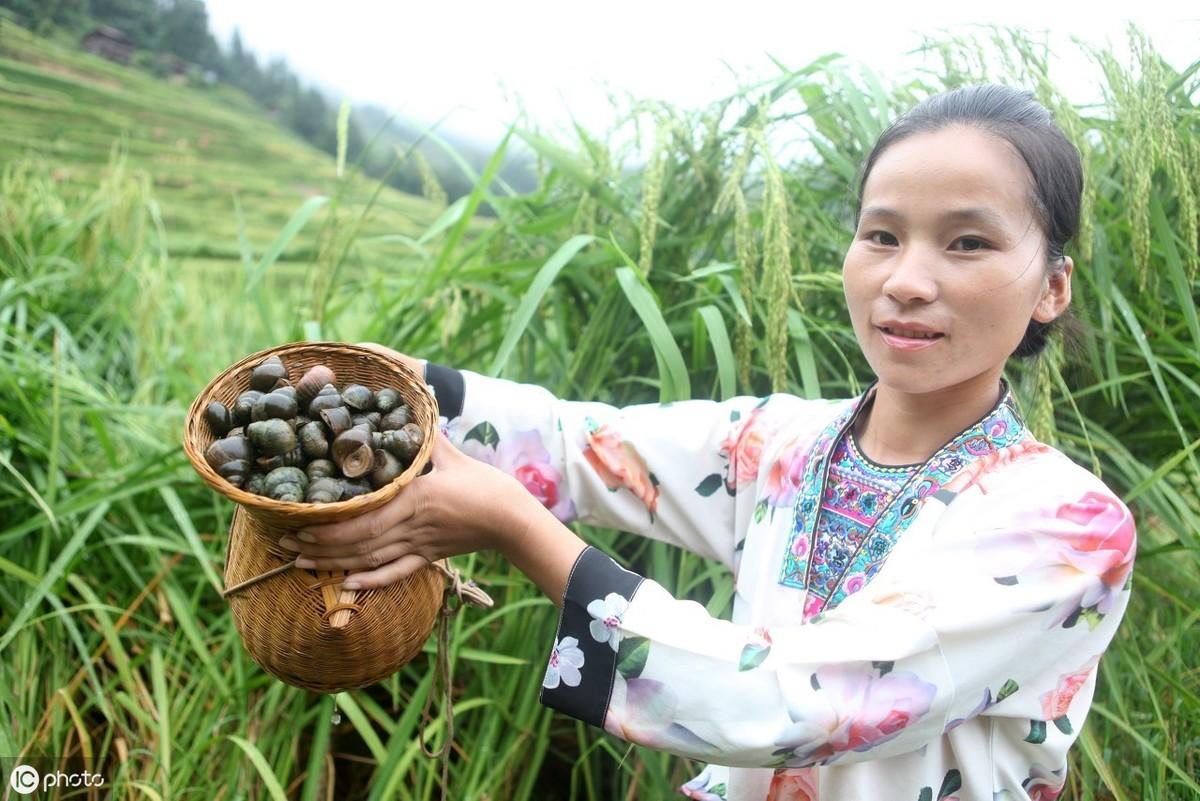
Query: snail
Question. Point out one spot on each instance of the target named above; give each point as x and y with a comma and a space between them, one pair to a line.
286, 484
293, 458
353, 487
271, 437
386, 399
230, 457
404, 442
387, 468
311, 383
358, 397
396, 418
338, 419
321, 468
327, 398
352, 452
313, 440
323, 490
275, 404
244, 405
218, 418
264, 377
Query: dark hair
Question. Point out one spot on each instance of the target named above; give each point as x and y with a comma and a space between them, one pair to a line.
1019, 119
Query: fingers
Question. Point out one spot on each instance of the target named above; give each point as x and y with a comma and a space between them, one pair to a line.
391, 573
370, 560
411, 362
371, 525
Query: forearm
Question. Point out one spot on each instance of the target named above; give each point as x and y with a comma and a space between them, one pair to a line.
541, 547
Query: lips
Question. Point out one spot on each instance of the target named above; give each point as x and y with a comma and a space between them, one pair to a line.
910, 333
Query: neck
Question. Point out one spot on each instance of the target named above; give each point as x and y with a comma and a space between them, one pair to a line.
907, 428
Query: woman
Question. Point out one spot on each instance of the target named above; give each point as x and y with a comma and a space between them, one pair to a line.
923, 590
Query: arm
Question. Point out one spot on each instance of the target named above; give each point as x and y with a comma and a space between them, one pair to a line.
671, 472
891, 669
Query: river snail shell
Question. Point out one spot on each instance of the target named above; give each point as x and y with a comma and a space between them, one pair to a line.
353, 487
313, 440
321, 468
371, 419
312, 382
286, 484
218, 418
324, 490
266, 376
404, 442
358, 397
293, 458
327, 398
386, 399
275, 404
387, 468
255, 483
244, 405
337, 419
396, 418
352, 452
272, 437
231, 458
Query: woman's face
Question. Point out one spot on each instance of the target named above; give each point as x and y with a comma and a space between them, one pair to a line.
948, 264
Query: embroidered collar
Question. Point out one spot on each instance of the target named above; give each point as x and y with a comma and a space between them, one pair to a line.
1000, 427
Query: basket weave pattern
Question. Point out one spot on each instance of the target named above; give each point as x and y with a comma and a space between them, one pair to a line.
301, 625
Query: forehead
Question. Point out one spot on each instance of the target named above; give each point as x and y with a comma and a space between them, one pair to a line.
931, 176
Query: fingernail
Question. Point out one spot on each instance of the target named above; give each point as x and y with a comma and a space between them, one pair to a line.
289, 543
302, 562
307, 537
352, 585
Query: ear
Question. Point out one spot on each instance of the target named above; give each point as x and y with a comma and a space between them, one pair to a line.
1056, 295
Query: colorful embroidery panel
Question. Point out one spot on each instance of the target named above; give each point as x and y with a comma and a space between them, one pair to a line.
999, 429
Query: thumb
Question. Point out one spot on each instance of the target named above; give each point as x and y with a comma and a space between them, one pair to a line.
444, 453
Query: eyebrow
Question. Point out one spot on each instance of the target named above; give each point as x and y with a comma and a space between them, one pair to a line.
976, 214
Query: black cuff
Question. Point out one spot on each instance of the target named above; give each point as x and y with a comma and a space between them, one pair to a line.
593, 577
448, 387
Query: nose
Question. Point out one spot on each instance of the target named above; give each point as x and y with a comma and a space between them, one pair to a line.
911, 277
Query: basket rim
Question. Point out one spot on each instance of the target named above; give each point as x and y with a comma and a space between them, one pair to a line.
294, 509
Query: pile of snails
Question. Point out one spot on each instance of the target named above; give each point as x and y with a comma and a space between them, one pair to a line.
311, 442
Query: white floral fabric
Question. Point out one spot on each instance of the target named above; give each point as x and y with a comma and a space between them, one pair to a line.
958, 653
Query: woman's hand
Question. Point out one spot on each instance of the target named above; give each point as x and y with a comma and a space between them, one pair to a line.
460, 506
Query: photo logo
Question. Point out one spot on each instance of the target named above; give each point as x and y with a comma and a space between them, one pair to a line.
24, 779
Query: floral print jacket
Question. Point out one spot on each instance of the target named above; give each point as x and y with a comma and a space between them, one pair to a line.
957, 659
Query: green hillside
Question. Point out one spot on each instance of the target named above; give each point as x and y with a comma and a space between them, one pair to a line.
202, 147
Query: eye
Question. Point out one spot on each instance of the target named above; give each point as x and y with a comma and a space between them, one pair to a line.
979, 244
870, 237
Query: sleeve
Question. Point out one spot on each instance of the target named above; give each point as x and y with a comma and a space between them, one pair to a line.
890, 669
672, 472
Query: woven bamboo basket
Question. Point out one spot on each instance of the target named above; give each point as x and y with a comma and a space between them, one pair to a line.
301, 625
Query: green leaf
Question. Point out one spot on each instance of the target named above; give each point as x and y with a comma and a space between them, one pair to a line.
1037, 732
952, 783
343, 134
710, 484
533, 297
485, 433
1008, 688
718, 335
753, 656
674, 376
1063, 724
632, 655
926, 794
299, 219
270, 780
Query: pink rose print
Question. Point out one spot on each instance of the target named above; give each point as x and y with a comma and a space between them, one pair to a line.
1056, 702
785, 475
856, 709
620, 465
793, 784
743, 447
1088, 545
522, 455
1043, 784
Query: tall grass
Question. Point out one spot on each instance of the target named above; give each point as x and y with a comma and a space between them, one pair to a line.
713, 270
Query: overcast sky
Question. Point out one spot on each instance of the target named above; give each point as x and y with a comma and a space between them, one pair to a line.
563, 58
